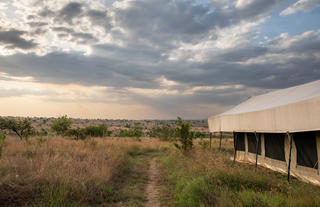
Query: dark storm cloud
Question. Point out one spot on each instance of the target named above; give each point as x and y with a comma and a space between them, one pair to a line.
45, 12
62, 29
100, 18
61, 68
80, 37
12, 39
159, 20
37, 24
122, 67
70, 11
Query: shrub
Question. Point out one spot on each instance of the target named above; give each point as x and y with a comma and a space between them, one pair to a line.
61, 125
135, 131
79, 133
164, 133
185, 136
204, 144
2, 139
96, 131
197, 134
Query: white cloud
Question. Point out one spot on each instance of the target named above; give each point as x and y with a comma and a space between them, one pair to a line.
301, 5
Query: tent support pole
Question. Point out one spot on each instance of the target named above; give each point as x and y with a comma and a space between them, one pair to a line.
257, 147
210, 139
290, 149
220, 141
235, 136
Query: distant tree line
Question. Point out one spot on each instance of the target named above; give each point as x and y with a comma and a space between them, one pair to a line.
62, 126
171, 133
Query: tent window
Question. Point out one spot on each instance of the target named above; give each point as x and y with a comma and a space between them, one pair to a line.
252, 143
274, 146
240, 146
306, 149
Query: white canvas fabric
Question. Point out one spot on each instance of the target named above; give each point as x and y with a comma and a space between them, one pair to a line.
292, 109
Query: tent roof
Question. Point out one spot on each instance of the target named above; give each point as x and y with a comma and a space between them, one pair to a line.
293, 109
277, 98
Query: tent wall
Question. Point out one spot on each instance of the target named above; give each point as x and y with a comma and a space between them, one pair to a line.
302, 172
294, 117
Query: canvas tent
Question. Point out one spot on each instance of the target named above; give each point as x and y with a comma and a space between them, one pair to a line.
279, 130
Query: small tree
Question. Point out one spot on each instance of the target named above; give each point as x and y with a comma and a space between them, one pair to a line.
61, 125
79, 133
137, 132
23, 128
185, 136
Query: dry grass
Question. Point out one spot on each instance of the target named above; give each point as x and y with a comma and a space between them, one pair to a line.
59, 172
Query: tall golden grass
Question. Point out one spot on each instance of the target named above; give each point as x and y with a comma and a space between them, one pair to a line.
57, 171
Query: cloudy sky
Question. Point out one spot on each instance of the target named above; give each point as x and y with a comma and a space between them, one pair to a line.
151, 59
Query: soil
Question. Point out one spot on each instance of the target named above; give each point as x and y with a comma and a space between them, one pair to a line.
152, 188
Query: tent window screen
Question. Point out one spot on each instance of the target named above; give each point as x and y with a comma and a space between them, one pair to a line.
306, 149
274, 146
252, 143
239, 144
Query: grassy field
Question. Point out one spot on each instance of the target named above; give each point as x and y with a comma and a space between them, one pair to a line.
62, 172
209, 178
114, 172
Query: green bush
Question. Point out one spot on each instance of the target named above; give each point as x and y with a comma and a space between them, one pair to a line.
78, 134
185, 136
96, 131
164, 133
2, 139
135, 131
61, 125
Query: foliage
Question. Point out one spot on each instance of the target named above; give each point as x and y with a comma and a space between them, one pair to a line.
164, 133
185, 136
204, 144
61, 125
197, 134
40, 141
2, 139
22, 128
96, 131
79, 133
135, 131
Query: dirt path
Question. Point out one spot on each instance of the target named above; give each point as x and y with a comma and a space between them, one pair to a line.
152, 188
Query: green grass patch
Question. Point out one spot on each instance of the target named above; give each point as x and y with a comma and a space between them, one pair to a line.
192, 182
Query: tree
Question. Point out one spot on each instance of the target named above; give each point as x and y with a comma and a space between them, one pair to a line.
185, 136
23, 128
137, 132
79, 133
61, 125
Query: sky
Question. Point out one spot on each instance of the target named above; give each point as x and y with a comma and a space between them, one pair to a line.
151, 59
